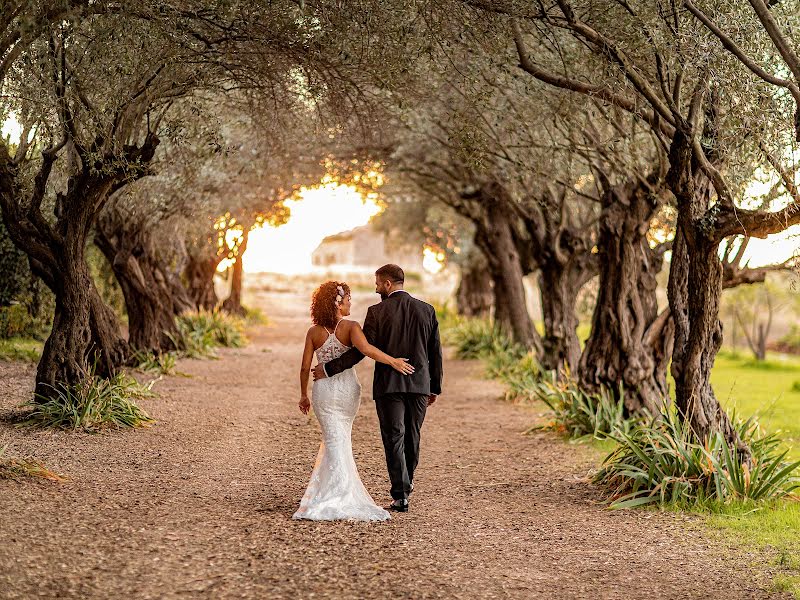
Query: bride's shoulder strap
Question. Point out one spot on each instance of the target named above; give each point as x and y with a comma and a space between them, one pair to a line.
317, 329
337, 326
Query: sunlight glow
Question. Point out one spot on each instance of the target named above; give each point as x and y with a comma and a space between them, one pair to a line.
432, 259
232, 238
319, 212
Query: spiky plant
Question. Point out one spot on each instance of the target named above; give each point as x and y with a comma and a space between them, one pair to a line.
663, 462
91, 405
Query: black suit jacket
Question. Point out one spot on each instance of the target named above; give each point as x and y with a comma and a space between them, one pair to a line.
404, 327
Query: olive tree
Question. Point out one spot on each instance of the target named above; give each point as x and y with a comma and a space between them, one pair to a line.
90, 116
716, 119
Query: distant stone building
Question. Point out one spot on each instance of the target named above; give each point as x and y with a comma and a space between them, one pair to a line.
363, 249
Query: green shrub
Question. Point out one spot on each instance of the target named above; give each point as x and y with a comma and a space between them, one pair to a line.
21, 320
200, 332
520, 374
92, 405
662, 462
14, 321
26, 305
448, 318
14, 268
480, 338
577, 413
791, 341
162, 363
191, 341
255, 316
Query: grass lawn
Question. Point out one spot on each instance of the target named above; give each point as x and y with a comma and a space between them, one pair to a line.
25, 349
771, 390
775, 529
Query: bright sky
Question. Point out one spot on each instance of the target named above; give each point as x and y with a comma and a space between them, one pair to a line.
780, 246
11, 127
321, 211
776, 248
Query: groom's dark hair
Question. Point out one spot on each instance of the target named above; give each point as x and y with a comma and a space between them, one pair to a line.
391, 273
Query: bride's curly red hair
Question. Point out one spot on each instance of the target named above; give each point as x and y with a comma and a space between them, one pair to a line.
324, 305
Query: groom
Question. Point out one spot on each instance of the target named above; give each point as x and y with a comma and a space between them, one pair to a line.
403, 326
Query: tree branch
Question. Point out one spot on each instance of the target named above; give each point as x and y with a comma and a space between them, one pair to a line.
609, 48
594, 91
777, 37
731, 46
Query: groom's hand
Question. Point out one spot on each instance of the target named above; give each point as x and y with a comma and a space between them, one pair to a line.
432, 398
319, 372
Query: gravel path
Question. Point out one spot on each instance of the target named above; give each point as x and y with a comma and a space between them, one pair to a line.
200, 505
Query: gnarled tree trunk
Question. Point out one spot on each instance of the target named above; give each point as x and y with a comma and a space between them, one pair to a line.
85, 331
153, 295
630, 343
559, 289
86, 334
474, 296
560, 248
199, 277
695, 287
233, 303
496, 240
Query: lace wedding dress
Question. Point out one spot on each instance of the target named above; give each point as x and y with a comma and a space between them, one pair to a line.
335, 491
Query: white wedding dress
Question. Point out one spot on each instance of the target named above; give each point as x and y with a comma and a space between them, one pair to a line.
335, 491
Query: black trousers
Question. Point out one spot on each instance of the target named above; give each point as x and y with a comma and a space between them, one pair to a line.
401, 416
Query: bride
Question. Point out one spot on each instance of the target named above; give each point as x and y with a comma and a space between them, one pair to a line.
335, 490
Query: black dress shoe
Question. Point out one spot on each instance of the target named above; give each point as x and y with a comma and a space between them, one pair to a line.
399, 505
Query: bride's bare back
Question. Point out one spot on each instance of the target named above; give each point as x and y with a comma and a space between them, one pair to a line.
348, 333
344, 332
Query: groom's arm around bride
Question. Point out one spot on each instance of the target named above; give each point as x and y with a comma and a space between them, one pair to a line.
404, 326
350, 358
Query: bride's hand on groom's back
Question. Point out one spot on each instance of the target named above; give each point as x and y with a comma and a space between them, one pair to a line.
402, 365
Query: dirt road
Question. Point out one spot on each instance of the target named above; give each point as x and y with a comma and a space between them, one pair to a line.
200, 505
